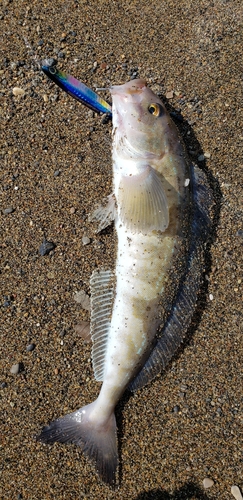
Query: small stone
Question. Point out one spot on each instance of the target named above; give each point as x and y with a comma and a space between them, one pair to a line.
56, 371
235, 490
57, 173
187, 182
15, 369
46, 247
4, 385
207, 483
8, 210
30, 347
210, 296
201, 158
207, 155
240, 233
85, 240
45, 97
82, 298
169, 95
105, 118
18, 91
72, 210
183, 387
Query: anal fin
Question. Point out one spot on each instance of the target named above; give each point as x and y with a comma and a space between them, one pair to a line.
102, 292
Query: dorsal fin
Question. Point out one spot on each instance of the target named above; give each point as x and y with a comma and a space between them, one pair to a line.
176, 326
102, 291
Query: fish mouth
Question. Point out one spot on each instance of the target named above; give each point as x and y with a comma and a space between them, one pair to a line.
125, 98
133, 87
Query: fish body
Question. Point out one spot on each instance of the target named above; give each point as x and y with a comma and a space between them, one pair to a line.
158, 217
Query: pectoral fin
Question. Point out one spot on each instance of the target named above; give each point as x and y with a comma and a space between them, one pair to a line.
105, 213
142, 202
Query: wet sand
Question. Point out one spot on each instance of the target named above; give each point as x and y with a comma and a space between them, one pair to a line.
56, 165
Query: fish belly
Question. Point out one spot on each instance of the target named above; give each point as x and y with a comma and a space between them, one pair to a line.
141, 271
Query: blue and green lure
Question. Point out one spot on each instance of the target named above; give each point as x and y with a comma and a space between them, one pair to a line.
76, 89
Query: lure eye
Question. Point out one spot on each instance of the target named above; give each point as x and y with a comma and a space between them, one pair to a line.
155, 109
52, 70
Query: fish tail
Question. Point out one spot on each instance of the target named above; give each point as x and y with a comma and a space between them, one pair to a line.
97, 440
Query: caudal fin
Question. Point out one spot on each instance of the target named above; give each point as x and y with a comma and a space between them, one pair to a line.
98, 442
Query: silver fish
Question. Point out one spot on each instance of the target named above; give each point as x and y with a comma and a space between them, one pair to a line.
140, 313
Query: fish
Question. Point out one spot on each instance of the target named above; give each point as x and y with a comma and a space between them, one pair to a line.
141, 310
75, 88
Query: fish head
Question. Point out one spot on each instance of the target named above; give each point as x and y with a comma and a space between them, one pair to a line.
141, 123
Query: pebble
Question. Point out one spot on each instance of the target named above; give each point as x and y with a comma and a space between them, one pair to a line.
207, 483
30, 347
4, 385
169, 95
207, 155
15, 369
85, 240
72, 210
8, 210
46, 247
18, 91
82, 298
201, 158
235, 490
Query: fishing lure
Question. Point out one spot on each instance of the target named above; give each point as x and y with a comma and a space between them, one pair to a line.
75, 88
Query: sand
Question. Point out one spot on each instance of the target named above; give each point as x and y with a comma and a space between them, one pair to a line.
186, 426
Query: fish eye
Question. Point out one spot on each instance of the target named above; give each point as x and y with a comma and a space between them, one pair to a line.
52, 70
156, 109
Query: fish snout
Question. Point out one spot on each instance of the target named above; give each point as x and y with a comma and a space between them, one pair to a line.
132, 87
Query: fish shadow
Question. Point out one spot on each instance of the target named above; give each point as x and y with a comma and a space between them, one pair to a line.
189, 491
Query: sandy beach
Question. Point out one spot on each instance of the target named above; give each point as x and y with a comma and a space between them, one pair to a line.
180, 437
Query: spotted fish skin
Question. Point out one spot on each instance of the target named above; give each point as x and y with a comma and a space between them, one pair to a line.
139, 312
